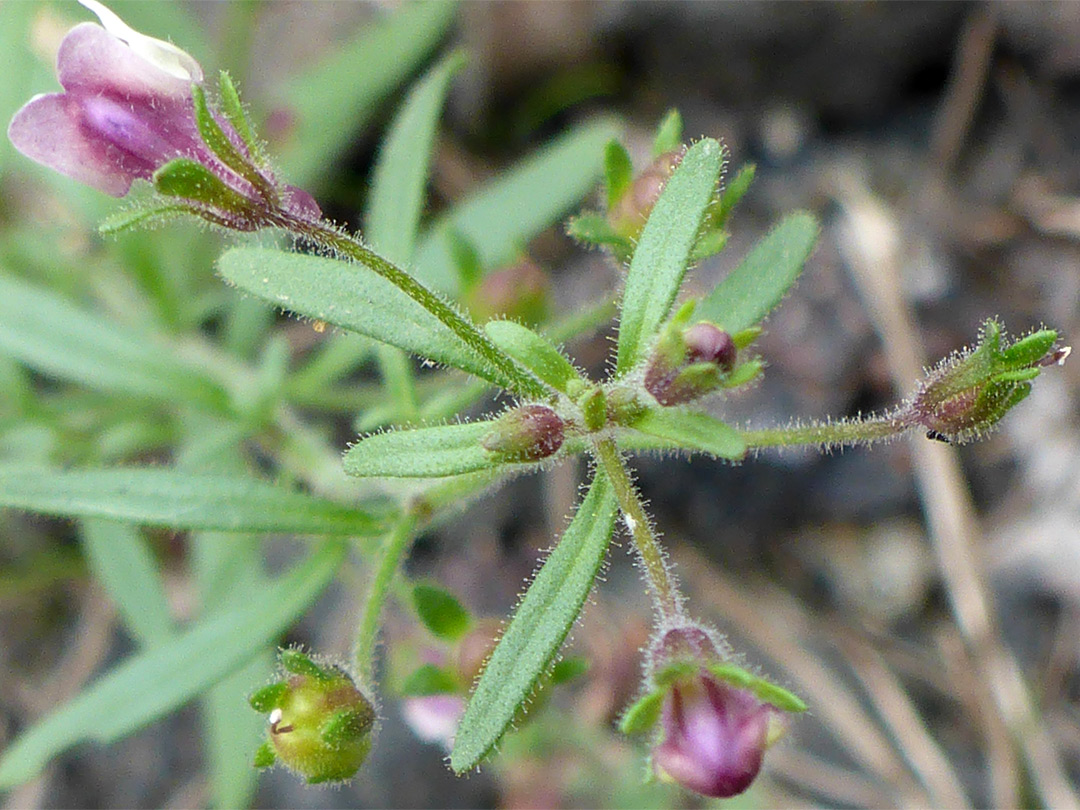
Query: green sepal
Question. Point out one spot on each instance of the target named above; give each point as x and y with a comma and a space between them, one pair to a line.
642, 714
137, 217
675, 671
533, 351
568, 669
299, 663
669, 134
731, 195
218, 142
429, 679
744, 373
192, 181
709, 244
618, 171
268, 697
594, 229
1030, 349
441, 613
594, 409
264, 756
765, 691
745, 337
234, 111
345, 727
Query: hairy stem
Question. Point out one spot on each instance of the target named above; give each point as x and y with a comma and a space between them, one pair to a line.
329, 238
394, 547
828, 434
665, 590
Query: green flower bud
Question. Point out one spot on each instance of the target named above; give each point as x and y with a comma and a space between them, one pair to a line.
967, 394
320, 723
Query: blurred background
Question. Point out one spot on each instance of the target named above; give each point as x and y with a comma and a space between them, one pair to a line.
923, 599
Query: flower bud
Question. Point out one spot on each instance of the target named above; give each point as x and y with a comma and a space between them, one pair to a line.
627, 216
518, 292
528, 433
320, 723
713, 721
967, 394
688, 363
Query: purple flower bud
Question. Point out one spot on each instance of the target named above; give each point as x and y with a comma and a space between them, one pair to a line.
714, 736
627, 217
128, 110
528, 433
688, 363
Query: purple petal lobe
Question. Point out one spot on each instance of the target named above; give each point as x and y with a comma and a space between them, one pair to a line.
49, 130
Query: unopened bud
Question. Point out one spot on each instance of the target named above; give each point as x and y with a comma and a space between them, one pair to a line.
320, 723
689, 363
967, 394
528, 433
518, 292
627, 216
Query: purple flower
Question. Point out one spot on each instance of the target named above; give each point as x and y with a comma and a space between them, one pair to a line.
714, 736
434, 718
127, 110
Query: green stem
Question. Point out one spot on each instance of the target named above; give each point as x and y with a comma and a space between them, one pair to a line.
344, 244
394, 547
828, 434
665, 590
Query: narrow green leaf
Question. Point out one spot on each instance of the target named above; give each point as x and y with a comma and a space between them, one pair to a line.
568, 669
424, 452
163, 678
539, 627
440, 611
692, 430
755, 287
59, 339
535, 352
397, 190
594, 229
159, 497
508, 212
119, 557
332, 101
731, 195
231, 731
668, 134
618, 171
351, 296
663, 252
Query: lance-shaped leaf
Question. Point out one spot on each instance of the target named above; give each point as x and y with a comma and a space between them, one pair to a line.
757, 285
177, 500
546, 613
688, 430
663, 252
425, 452
535, 352
164, 677
349, 295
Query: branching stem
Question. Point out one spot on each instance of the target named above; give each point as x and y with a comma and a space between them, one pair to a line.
394, 548
828, 434
665, 589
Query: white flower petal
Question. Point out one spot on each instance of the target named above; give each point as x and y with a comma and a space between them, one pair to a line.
161, 54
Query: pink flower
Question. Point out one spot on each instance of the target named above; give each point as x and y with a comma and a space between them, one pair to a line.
127, 110
714, 736
434, 718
